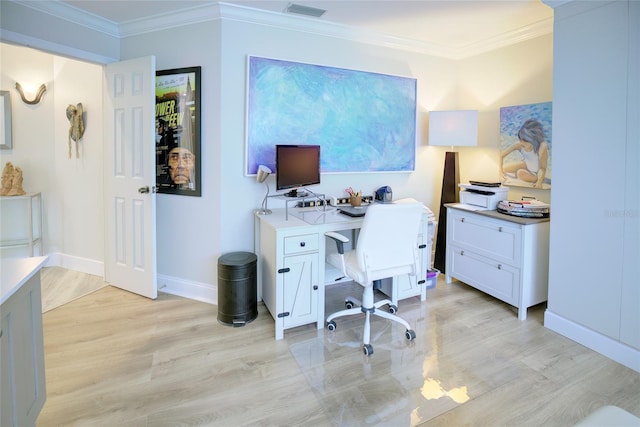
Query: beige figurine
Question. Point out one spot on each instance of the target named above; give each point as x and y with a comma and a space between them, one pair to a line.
16, 187
7, 179
76, 128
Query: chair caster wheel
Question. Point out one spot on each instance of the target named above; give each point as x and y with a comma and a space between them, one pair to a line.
393, 309
410, 334
331, 325
367, 349
349, 304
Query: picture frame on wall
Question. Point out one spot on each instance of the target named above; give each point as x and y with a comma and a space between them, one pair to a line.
178, 145
6, 136
363, 121
525, 145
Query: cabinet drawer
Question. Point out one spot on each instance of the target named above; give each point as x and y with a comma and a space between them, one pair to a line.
300, 244
499, 240
498, 280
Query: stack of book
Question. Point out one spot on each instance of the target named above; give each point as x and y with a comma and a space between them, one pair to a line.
524, 208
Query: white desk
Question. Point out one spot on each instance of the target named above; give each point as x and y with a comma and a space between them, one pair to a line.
291, 264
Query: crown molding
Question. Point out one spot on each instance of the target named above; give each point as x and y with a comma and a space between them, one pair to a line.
193, 15
73, 14
225, 11
519, 35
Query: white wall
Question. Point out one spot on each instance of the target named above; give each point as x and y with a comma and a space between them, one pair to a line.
71, 188
514, 75
594, 291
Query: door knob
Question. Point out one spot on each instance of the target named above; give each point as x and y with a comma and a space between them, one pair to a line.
143, 190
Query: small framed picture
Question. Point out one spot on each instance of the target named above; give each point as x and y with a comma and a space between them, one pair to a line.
6, 142
178, 169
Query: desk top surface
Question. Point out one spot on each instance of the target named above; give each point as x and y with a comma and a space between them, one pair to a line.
311, 217
496, 214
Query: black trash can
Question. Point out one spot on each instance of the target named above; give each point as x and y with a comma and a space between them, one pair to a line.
237, 288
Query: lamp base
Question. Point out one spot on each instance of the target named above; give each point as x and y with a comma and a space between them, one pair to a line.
450, 194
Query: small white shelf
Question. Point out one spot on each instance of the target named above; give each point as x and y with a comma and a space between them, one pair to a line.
25, 220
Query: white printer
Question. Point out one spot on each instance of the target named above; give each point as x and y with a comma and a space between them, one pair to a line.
486, 196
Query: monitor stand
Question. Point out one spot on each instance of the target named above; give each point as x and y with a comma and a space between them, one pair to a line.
296, 193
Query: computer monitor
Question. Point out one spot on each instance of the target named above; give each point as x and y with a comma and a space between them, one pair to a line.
297, 166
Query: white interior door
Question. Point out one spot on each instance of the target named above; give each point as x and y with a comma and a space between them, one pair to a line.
130, 200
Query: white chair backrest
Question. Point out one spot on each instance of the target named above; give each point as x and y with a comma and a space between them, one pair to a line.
388, 238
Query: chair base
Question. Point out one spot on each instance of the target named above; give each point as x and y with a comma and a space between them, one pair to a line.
369, 307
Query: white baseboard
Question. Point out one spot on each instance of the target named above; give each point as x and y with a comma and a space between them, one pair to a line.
172, 285
615, 350
184, 288
83, 265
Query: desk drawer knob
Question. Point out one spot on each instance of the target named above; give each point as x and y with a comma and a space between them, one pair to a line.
315, 287
302, 244
461, 219
461, 253
500, 229
499, 266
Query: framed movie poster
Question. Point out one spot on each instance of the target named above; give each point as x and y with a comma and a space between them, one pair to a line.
178, 131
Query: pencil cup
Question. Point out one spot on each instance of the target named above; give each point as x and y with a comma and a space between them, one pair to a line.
355, 201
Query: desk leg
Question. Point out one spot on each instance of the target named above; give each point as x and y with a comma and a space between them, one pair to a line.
279, 329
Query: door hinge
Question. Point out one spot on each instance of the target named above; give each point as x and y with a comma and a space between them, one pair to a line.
285, 314
284, 270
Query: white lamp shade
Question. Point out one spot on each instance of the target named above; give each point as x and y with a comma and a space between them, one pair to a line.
453, 128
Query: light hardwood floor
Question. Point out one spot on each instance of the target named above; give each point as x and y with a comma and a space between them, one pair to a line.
60, 286
114, 358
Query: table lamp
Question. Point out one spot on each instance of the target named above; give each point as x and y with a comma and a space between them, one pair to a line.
453, 129
261, 176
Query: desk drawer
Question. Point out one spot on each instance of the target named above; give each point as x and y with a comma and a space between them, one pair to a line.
499, 280
300, 244
499, 240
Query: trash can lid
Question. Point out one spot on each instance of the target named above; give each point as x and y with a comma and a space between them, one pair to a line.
237, 259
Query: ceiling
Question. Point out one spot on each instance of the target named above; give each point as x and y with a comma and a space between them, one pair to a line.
450, 24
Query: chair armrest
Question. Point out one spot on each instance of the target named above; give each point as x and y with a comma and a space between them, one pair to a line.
339, 239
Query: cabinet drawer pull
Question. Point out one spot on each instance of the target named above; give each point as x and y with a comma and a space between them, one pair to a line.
284, 270
499, 266
500, 229
461, 253
302, 244
461, 219
315, 287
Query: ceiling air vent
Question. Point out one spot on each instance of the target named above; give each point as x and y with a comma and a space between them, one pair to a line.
304, 10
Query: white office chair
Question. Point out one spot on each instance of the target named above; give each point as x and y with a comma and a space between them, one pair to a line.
386, 247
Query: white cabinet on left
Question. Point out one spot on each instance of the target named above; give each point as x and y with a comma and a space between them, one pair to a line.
290, 276
22, 380
21, 218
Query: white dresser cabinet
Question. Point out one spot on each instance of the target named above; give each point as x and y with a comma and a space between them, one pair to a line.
22, 376
505, 256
